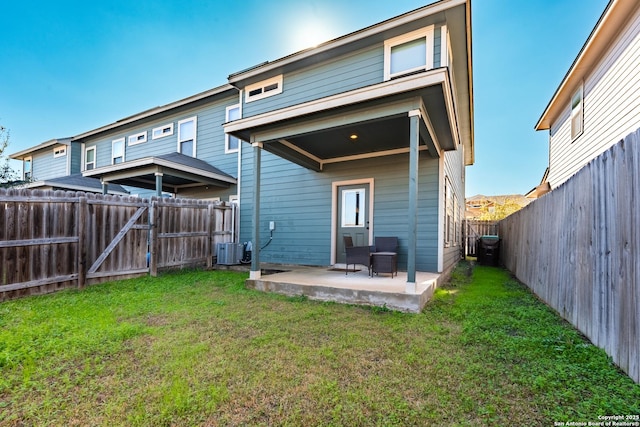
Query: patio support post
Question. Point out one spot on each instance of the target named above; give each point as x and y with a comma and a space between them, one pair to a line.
105, 187
255, 273
414, 135
159, 184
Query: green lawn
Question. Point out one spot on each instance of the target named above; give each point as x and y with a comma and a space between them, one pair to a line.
196, 348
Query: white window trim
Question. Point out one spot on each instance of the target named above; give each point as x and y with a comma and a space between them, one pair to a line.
24, 160
138, 138
160, 130
444, 46
426, 33
195, 134
226, 135
84, 158
261, 85
578, 110
123, 150
59, 151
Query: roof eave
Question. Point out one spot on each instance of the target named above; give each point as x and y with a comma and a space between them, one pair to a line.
157, 110
606, 29
397, 21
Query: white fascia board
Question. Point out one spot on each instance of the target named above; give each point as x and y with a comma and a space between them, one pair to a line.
381, 27
391, 87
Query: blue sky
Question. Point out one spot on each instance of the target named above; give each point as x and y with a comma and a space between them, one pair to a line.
71, 66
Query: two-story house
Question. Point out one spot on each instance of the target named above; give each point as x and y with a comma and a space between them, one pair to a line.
366, 135
598, 101
55, 165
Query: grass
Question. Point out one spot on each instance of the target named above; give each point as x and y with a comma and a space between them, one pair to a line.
197, 348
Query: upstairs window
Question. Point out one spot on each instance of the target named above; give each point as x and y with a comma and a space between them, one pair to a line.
60, 151
162, 131
117, 151
27, 172
90, 158
138, 138
263, 89
408, 53
232, 143
577, 113
187, 136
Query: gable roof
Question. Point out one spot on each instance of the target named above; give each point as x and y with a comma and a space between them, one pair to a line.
612, 20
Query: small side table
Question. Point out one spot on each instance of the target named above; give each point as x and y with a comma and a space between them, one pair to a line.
384, 262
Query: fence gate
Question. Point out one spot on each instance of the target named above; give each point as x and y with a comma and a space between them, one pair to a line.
474, 229
115, 235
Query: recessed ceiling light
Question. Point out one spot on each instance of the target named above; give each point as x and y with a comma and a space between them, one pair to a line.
353, 136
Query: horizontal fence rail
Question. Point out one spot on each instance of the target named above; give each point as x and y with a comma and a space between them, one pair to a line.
578, 249
51, 240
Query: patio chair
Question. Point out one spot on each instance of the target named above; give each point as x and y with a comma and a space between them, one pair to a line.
386, 244
384, 257
356, 255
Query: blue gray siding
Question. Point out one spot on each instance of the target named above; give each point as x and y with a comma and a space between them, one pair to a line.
454, 170
299, 201
210, 137
341, 74
45, 166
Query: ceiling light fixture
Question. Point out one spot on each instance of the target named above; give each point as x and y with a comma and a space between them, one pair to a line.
353, 136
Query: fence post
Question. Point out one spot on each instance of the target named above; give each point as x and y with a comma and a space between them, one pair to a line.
210, 228
82, 241
153, 238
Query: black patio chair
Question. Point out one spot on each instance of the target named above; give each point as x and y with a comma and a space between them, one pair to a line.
386, 244
356, 255
384, 257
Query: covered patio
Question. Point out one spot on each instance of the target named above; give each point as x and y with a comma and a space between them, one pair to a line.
413, 115
332, 284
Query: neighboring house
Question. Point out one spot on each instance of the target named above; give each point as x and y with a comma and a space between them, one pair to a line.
480, 206
55, 165
598, 102
366, 135
179, 148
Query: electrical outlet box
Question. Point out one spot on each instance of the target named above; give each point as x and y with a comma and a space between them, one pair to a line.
272, 225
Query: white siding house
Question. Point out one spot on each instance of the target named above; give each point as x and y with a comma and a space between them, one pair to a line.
598, 102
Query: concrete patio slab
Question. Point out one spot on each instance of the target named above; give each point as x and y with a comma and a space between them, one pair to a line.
331, 284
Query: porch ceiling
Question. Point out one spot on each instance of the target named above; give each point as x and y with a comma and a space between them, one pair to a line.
320, 132
178, 172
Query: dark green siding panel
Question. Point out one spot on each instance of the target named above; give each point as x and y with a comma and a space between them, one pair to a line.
76, 157
342, 74
299, 201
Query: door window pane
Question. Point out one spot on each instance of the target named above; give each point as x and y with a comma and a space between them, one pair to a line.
353, 208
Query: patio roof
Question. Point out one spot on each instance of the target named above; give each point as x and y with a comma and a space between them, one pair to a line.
320, 132
171, 172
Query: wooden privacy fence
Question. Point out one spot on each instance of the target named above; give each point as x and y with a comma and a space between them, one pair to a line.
54, 240
473, 230
578, 248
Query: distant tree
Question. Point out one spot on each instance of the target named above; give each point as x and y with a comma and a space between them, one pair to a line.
7, 175
500, 207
